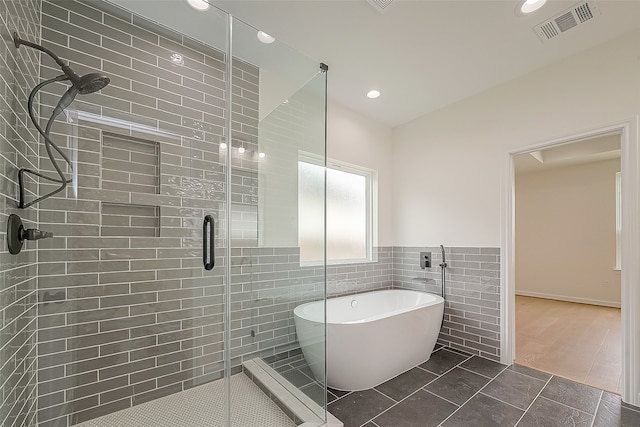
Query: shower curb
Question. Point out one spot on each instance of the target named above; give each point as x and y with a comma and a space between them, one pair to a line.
299, 407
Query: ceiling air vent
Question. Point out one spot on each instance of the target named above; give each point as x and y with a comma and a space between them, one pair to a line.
570, 18
381, 5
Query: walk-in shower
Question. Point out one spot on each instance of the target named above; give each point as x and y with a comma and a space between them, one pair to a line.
164, 294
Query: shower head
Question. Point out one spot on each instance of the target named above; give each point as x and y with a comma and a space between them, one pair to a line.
444, 261
92, 82
89, 83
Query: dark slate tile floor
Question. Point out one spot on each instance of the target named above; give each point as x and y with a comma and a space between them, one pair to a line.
454, 389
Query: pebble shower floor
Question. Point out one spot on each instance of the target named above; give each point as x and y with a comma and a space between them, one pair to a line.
201, 406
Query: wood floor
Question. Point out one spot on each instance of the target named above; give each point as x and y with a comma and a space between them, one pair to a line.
580, 342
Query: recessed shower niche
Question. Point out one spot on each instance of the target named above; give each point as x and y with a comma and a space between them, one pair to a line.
130, 164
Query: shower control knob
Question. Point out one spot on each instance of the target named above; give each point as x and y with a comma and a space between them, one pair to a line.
17, 234
33, 234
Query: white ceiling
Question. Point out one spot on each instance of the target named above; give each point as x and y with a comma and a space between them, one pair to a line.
423, 55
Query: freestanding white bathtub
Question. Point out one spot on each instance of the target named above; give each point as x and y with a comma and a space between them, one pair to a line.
371, 337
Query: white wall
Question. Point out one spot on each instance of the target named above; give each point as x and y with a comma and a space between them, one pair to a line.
361, 141
448, 164
565, 233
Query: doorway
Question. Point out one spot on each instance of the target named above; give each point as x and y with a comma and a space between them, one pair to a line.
630, 247
567, 278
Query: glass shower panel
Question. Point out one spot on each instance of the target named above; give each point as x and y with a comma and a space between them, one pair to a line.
278, 118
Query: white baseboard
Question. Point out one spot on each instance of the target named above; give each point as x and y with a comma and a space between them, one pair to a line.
569, 299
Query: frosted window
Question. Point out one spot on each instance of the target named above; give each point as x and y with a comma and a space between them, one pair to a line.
348, 214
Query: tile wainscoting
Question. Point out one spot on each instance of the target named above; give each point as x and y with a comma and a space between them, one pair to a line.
271, 283
472, 307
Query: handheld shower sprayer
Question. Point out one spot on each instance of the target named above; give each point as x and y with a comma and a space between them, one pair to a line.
89, 83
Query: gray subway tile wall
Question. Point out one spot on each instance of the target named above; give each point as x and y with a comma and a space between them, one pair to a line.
18, 281
472, 307
272, 276
362, 277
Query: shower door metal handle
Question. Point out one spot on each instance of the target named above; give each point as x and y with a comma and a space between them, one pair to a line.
210, 249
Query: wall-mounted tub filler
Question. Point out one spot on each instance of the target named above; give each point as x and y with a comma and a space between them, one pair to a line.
443, 267
89, 83
17, 234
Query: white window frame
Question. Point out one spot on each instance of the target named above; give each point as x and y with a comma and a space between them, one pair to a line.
371, 183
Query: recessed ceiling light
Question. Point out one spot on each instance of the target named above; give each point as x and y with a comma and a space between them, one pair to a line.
223, 145
373, 94
265, 38
261, 155
198, 4
531, 5
241, 150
